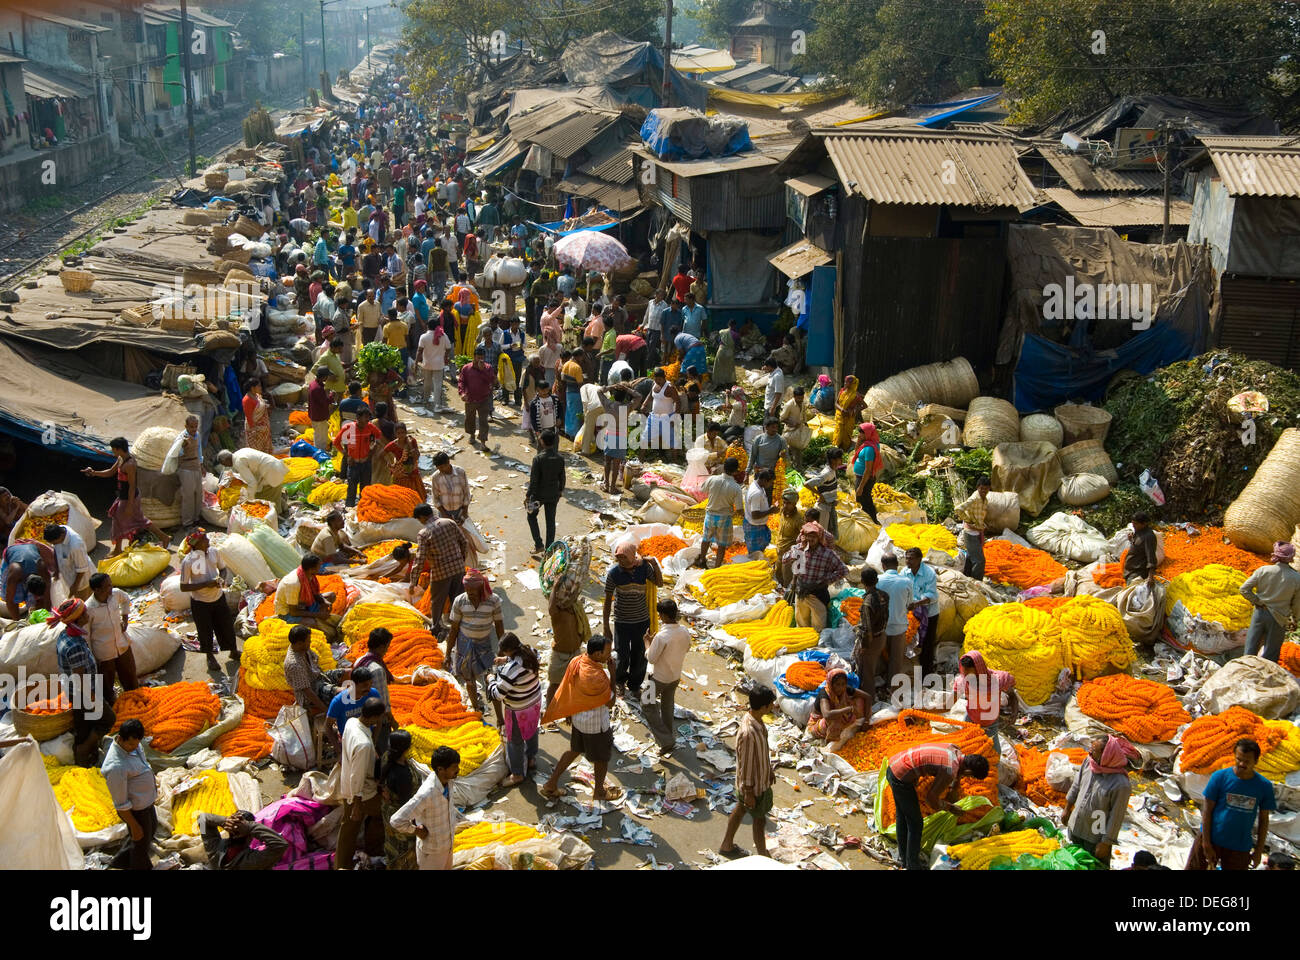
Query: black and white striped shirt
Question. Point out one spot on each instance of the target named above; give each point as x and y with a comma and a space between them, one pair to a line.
514, 685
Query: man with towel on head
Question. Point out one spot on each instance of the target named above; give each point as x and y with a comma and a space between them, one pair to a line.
1274, 591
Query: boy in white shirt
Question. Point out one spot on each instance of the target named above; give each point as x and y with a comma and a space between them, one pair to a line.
666, 652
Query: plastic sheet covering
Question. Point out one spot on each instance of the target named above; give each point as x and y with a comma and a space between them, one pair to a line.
680, 134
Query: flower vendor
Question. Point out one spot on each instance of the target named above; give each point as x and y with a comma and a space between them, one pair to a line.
1098, 798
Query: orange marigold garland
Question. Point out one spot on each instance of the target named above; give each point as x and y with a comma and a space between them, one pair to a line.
851, 610
329, 582
1033, 774
1185, 552
1023, 567
435, 706
1208, 741
299, 418
805, 674
1142, 710
380, 503
410, 648
170, 714
248, 739
1047, 604
1291, 657
664, 545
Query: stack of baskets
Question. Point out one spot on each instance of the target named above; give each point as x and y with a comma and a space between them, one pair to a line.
1268, 509
990, 421
1088, 456
216, 180
1082, 422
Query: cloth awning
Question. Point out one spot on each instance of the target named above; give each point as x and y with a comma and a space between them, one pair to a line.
76, 414
799, 258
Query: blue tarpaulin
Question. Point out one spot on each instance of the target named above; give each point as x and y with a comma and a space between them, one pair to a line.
951, 109
1050, 373
821, 318
554, 227
678, 135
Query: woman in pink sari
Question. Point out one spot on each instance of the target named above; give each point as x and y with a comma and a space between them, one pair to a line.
838, 710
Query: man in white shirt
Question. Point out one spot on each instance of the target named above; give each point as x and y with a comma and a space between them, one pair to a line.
758, 507
108, 610
201, 579
187, 453
431, 814
358, 787
73, 561
666, 652
616, 370
431, 357
775, 390
899, 590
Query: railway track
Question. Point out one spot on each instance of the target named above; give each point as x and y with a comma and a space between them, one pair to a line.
15, 267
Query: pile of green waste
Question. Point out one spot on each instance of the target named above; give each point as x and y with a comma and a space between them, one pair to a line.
1177, 424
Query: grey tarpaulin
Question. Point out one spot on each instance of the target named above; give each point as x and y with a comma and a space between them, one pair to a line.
607, 58
1184, 288
739, 272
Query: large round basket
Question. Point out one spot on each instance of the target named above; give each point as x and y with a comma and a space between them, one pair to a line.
1082, 422
990, 421
1088, 456
951, 383
222, 230
1039, 426
1269, 508
76, 281
42, 726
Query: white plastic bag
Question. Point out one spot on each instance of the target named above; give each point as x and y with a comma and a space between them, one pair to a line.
1066, 535
476, 539
37, 834
174, 599
1060, 771
291, 739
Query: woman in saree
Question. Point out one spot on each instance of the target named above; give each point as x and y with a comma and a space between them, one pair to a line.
403, 456
257, 418
838, 710
848, 407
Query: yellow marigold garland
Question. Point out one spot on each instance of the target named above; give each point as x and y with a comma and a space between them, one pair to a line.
211, 796
980, 854
491, 832
1094, 637
331, 491
262, 665
926, 536
365, 616
1212, 593
83, 793
733, 582
1022, 640
475, 742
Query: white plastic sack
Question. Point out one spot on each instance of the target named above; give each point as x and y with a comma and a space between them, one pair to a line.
653, 513
1259, 685
1207, 637
640, 531
1060, 771
36, 833
174, 599
258, 469
1008, 764
291, 739
241, 522
243, 559
472, 789
1066, 535
476, 539
363, 534
510, 272
151, 646
30, 647
1143, 610
1081, 489
55, 501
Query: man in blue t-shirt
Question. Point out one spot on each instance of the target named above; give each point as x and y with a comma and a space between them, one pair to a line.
347, 256
1234, 816
347, 702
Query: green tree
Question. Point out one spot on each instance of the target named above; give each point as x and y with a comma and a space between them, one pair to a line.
716, 18
894, 52
1079, 55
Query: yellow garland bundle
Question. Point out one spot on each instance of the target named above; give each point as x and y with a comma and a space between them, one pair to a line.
1212, 593
300, 468
885, 496
475, 742
733, 582
1284, 757
364, 617
331, 491
979, 854
926, 536
769, 641
262, 664
781, 614
1094, 637
491, 832
1022, 640
808, 498
377, 551
228, 493
211, 796
83, 793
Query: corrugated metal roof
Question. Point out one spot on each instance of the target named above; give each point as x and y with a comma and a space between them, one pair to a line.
799, 258
615, 166
63, 21
523, 126
1082, 176
615, 196
942, 169
810, 184
1256, 166
566, 138
768, 154
42, 82
497, 157
6, 57
1119, 210
166, 13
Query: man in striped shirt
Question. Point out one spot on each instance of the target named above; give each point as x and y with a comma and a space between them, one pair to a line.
450, 488
946, 764
473, 615
754, 776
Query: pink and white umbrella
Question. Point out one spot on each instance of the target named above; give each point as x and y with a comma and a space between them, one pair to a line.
591, 250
